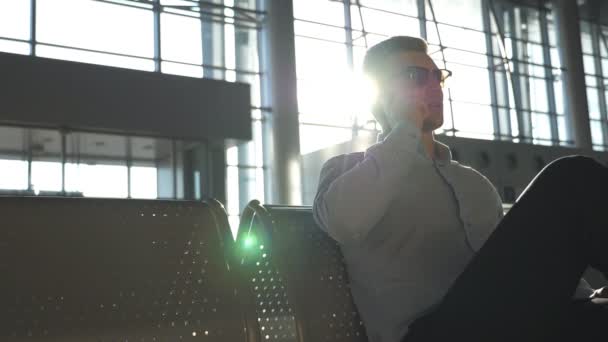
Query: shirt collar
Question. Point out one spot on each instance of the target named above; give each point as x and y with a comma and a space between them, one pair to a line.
443, 151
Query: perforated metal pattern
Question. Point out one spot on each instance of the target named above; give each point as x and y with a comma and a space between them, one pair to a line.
324, 302
114, 270
275, 314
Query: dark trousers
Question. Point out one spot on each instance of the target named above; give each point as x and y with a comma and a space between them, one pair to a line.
519, 286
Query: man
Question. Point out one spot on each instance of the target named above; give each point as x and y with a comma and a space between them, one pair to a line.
429, 254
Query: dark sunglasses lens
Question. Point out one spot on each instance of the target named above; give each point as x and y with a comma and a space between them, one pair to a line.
437, 75
420, 76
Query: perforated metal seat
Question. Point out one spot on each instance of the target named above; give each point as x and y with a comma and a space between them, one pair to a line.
297, 271
116, 270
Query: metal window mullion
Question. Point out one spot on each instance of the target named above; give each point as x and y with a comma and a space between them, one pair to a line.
492, 77
28, 144
213, 45
64, 147
348, 38
421, 4
157, 41
544, 29
33, 15
506, 119
525, 133
596, 35
129, 161
241, 59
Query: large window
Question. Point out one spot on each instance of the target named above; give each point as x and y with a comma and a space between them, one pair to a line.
507, 76
212, 38
595, 59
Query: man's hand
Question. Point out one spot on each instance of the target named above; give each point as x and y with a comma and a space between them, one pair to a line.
600, 293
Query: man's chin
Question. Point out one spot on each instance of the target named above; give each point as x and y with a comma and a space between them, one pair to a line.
430, 126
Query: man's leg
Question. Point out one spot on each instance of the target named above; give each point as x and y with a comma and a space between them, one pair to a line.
586, 321
522, 280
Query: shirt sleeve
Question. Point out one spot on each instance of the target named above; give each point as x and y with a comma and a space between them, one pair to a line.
350, 201
584, 290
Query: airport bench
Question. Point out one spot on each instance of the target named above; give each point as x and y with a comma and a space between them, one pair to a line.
297, 276
82, 269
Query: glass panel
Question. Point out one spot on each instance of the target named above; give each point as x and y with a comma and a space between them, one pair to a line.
593, 103
181, 38
324, 101
248, 4
232, 155
471, 118
469, 84
15, 19
182, 69
313, 138
591, 81
13, 156
408, 7
586, 42
458, 38
15, 47
596, 133
531, 29
319, 31
46, 155
97, 180
320, 66
538, 95
232, 190
558, 91
98, 26
589, 64
246, 41
386, 23
46, 176
561, 128
541, 128
470, 58
604, 62
323, 11
258, 142
535, 54
13, 174
143, 182
94, 58
555, 58
466, 13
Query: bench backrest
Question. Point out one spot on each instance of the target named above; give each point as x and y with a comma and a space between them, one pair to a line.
115, 270
310, 268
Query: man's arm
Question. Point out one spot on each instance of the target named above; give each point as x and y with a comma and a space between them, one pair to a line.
350, 202
584, 290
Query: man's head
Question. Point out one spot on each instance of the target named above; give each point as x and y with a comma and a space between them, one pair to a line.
407, 80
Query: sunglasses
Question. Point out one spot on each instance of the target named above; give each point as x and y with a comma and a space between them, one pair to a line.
420, 76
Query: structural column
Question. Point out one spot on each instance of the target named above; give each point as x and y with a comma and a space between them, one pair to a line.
279, 93
575, 95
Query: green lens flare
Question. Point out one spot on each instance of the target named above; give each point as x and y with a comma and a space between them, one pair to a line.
249, 242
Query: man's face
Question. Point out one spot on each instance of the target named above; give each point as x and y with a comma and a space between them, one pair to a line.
410, 90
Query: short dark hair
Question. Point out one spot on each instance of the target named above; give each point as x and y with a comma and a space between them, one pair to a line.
375, 66
374, 63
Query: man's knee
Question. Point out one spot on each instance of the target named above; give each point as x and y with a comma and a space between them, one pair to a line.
573, 165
